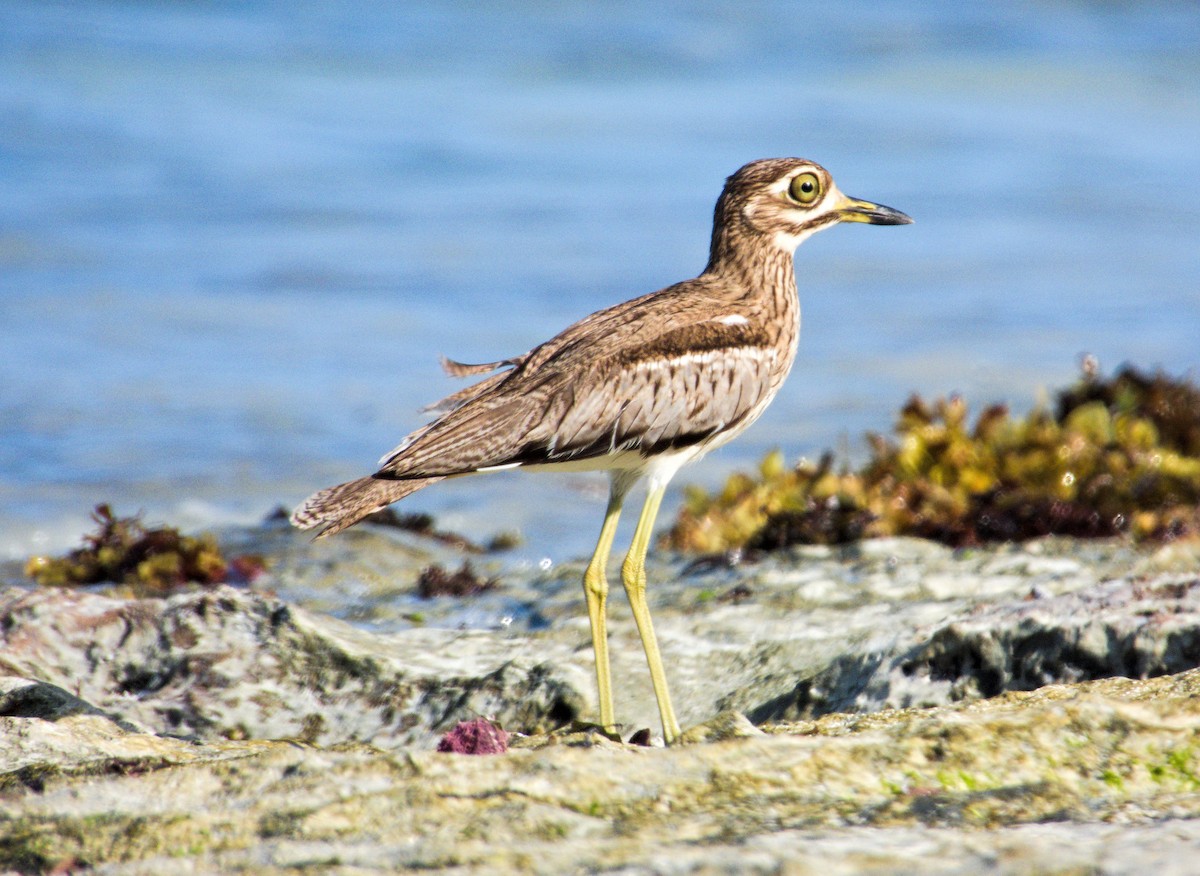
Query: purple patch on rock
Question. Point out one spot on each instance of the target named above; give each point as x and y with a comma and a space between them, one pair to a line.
479, 736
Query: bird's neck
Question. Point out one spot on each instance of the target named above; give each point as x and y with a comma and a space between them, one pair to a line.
757, 279
758, 269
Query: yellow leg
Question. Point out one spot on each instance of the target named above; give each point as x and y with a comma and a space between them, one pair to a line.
633, 575
595, 590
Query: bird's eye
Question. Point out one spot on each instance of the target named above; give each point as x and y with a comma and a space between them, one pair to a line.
805, 189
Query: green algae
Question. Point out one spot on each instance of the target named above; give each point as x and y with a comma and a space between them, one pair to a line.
1119, 456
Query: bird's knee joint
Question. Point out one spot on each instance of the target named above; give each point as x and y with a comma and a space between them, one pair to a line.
595, 584
633, 576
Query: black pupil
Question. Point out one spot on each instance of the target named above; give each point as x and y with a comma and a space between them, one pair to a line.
806, 187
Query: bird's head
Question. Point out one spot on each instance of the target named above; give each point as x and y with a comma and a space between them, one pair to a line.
787, 199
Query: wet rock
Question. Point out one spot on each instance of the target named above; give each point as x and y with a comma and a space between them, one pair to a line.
26, 698
1125, 628
233, 664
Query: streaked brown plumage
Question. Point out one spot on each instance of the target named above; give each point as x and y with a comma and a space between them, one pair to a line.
637, 389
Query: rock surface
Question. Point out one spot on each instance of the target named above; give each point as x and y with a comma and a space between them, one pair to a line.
1119, 628
234, 731
234, 665
888, 623
1096, 777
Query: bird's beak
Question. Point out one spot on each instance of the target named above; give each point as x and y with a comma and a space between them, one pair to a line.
854, 210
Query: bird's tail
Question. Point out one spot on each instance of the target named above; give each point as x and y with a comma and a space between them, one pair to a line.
338, 507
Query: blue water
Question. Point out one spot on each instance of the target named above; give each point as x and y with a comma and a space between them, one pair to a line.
235, 237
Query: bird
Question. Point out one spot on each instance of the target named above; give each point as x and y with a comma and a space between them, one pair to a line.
637, 390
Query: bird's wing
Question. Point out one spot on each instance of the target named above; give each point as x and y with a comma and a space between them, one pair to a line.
650, 374
685, 386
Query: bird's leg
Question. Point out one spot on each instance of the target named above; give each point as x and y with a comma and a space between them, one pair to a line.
595, 590
633, 575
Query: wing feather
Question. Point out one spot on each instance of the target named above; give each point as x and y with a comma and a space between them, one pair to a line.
461, 369
464, 395
649, 374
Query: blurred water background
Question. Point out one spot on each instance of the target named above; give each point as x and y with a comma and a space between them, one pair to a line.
235, 237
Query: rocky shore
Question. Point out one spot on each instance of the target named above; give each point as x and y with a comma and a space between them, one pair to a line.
889, 706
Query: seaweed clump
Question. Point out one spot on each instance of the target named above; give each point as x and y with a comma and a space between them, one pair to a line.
425, 526
1117, 456
146, 561
422, 525
436, 581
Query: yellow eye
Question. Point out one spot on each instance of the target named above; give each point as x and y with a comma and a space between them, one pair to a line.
805, 189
